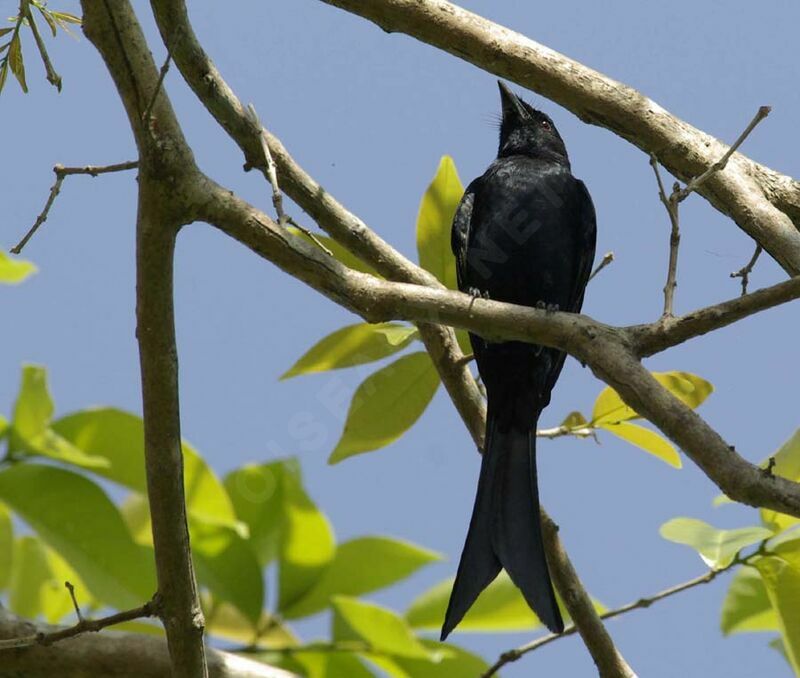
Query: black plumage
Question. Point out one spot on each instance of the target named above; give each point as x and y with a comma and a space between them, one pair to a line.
523, 233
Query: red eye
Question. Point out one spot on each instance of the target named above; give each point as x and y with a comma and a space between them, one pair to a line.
546, 125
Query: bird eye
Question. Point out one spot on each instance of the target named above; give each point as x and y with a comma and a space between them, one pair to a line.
546, 125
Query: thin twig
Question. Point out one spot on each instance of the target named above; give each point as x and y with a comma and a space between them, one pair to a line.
671, 205
61, 173
52, 76
272, 174
159, 83
747, 269
642, 603
149, 609
679, 194
718, 166
77, 607
608, 258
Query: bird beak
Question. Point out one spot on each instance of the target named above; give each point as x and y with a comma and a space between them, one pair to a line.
512, 106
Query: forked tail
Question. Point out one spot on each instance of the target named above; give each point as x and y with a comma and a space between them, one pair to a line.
505, 530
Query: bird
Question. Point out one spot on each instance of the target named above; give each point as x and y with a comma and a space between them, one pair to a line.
524, 232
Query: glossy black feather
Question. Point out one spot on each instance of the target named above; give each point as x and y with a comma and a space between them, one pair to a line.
524, 233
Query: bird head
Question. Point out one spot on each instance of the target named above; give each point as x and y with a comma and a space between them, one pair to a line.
526, 131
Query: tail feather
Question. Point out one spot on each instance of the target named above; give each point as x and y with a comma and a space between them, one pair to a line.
505, 530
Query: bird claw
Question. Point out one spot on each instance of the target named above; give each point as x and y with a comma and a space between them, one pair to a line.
475, 293
547, 308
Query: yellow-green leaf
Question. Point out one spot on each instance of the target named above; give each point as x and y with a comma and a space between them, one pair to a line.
117, 438
787, 465
647, 440
574, 420
435, 218
390, 560
381, 629
225, 621
781, 577
342, 255
37, 582
14, 271
6, 546
499, 608
692, 390
387, 404
16, 63
455, 662
76, 519
283, 523
746, 606
716, 547
354, 345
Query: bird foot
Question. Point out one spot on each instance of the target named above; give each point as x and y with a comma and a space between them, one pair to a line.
475, 293
547, 308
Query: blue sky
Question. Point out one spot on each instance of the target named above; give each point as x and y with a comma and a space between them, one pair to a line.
369, 115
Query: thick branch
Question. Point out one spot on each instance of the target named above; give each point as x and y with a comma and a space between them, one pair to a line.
763, 203
205, 80
111, 655
114, 30
610, 352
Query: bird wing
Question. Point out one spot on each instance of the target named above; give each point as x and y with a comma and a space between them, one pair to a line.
459, 235
586, 242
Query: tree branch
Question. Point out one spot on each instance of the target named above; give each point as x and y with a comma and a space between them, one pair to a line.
61, 173
763, 203
149, 609
612, 353
111, 654
642, 603
165, 158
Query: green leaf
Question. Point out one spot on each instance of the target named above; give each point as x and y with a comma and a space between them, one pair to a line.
435, 218
499, 608
6, 546
354, 345
341, 254
746, 606
781, 577
456, 663
75, 518
387, 404
51, 22
647, 440
778, 645
716, 547
37, 582
3, 78
225, 621
67, 17
3, 427
30, 428
117, 438
389, 561
787, 465
575, 420
381, 629
13, 271
34, 406
690, 389
15, 61
283, 523
227, 566
331, 665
